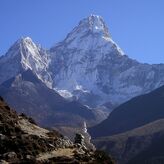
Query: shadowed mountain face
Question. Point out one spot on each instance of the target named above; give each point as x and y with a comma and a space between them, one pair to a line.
140, 145
153, 154
132, 114
29, 95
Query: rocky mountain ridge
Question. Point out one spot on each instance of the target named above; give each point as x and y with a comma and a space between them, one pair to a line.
87, 65
24, 54
29, 95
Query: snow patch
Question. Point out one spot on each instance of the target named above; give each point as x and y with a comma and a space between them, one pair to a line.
65, 93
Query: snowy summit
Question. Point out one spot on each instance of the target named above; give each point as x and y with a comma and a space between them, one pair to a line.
91, 31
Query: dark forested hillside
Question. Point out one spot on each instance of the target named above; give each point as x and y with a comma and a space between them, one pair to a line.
132, 114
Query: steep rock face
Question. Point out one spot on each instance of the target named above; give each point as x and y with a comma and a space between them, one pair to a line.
81, 58
24, 55
88, 63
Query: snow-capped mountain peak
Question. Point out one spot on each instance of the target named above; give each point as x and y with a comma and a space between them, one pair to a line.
90, 32
26, 40
78, 60
16, 48
95, 24
24, 55
87, 64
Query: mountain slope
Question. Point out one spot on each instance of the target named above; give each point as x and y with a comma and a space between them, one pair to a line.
89, 64
153, 154
140, 145
24, 55
22, 141
132, 114
29, 95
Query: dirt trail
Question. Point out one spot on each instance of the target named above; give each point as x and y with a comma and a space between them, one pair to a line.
67, 152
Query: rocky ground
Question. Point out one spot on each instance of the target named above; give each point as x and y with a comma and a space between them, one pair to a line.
22, 141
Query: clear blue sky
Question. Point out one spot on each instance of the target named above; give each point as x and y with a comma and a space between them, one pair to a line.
137, 26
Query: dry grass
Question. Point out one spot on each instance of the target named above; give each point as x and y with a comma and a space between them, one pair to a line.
32, 129
67, 152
